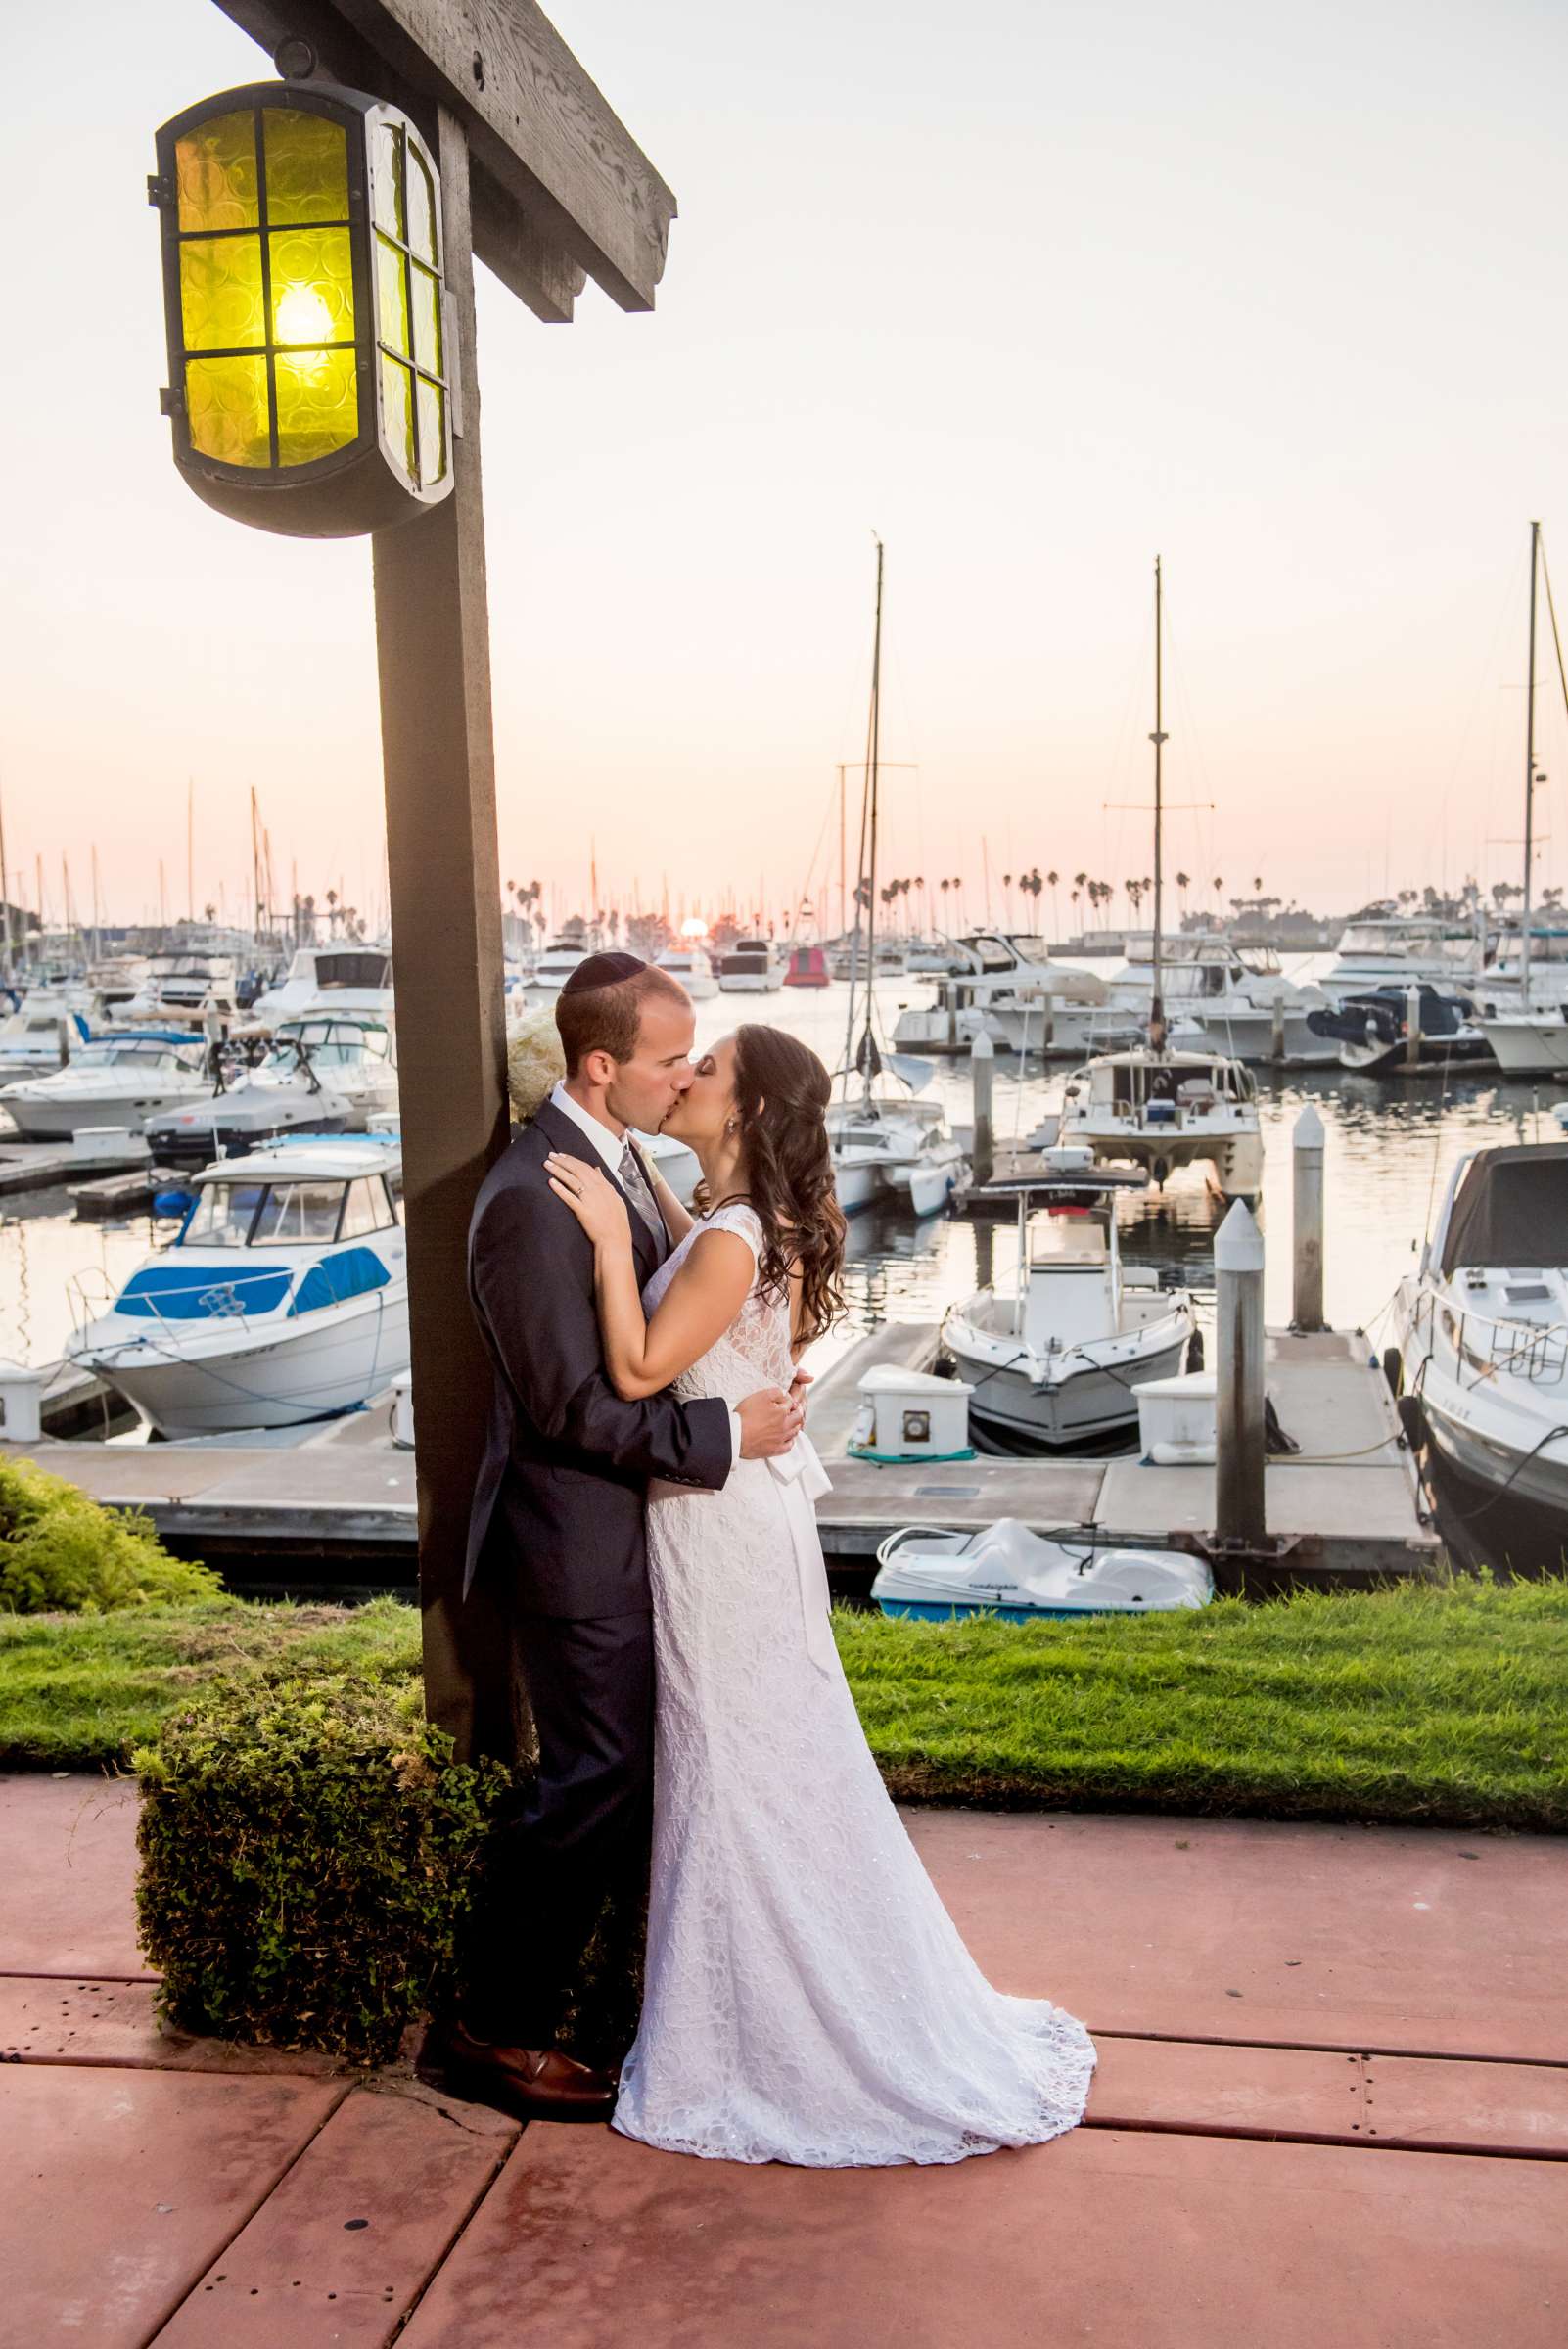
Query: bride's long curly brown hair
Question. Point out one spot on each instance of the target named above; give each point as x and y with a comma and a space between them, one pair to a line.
781, 1095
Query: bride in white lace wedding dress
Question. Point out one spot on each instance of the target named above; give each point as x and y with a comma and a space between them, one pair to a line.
808, 1997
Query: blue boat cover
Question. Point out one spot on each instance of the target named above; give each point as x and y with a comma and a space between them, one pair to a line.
353, 1273
201, 1292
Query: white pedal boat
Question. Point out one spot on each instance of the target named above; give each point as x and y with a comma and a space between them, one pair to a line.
1020, 1576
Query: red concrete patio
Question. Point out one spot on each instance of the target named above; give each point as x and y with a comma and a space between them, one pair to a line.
1332, 2107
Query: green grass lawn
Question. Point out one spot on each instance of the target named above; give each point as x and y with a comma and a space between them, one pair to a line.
1443, 1703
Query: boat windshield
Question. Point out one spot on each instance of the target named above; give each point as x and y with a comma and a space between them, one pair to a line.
222, 1216
296, 1211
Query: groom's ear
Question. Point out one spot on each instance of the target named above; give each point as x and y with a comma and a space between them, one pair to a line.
597, 1067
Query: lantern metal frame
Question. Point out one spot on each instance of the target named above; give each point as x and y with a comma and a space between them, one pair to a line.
364, 485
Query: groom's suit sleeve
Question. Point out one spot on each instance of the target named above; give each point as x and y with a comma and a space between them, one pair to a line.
532, 1276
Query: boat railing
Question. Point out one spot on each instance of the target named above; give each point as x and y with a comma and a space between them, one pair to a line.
93, 1296
1487, 1345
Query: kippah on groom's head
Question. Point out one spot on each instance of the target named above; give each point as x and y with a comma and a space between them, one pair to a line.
602, 970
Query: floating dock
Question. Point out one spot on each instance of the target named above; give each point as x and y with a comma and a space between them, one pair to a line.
333, 1505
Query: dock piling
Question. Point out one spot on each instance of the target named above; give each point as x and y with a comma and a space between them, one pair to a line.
1307, 1161
1240, 1454
1276, 1031
1413, 1028
983, 1065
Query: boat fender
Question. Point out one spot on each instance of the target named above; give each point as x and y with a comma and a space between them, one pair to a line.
1393, 1371
170, 1204
1195, 1351
1413, 1419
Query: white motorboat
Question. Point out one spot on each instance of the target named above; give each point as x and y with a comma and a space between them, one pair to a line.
1164, 1109
184, 987
1003, 985
1011, 1572
560, 958
689, 963
1058, 1358
322, 1076
116, 1079
357, 980
284, 1297
1527, 1044
752, 966
934, 955
1401, 951
1483, 1324
893, 1150
44, 1030
1237, 998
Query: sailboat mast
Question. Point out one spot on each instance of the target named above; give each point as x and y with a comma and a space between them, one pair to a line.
1157, 1008
875, 756
1530, 776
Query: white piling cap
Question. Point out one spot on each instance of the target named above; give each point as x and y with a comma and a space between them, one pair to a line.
1238, 1244
1308, 1133
983, 1048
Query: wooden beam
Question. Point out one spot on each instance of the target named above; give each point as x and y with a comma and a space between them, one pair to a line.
554, 169
433, 654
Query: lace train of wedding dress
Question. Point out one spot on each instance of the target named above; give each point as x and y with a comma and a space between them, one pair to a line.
808, 1998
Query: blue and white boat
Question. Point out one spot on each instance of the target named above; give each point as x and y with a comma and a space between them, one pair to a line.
1006, 1570
324, 1075
283, 1299
116, 1079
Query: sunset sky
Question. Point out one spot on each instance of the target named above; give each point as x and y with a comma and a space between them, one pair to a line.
1034, 291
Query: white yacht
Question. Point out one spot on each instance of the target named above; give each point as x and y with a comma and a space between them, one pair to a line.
284, 1297
118, 1080
1401, 951
1483, 1325
334, 977
324, 1075
1166, 1109
560, 958
1237, 998
1529, 1044
752, 966
1058, 1358
1004, 985
689, 962
181, 987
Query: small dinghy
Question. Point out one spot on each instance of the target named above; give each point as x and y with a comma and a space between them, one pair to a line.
1007, 1571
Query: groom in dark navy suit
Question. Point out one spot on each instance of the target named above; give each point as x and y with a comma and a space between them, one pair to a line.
557, 1529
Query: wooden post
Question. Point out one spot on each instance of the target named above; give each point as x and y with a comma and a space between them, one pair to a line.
1307, 1161
433, 649
1413, 1028
1277, 1031
1238, 1263
983, 1067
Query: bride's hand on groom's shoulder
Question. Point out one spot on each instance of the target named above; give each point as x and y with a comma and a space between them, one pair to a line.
590, 1195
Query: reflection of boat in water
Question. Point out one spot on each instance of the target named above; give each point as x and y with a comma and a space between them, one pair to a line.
116, 1079
284, 1297
1483, 1326
1373, 1031
1058, 1358
322, 1076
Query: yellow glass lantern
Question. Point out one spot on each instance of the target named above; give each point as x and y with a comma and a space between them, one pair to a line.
304, 292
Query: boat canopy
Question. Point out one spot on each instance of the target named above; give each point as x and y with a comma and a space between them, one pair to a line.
1511, 1209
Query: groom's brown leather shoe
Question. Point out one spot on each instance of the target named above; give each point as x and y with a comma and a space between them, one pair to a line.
532, 2084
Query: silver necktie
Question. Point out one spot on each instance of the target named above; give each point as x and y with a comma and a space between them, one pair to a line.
634, 1185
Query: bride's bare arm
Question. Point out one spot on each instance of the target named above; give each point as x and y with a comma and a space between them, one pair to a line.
679, 1219
642, 1356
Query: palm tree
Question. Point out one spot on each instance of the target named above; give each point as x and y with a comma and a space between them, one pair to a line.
1051, 879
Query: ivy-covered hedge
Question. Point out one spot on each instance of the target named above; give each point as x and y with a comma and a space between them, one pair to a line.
311, 1857
62, 1552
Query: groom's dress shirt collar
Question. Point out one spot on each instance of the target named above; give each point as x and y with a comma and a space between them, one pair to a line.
610, 1146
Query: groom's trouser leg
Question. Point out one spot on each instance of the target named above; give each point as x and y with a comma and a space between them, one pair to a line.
581, 1832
